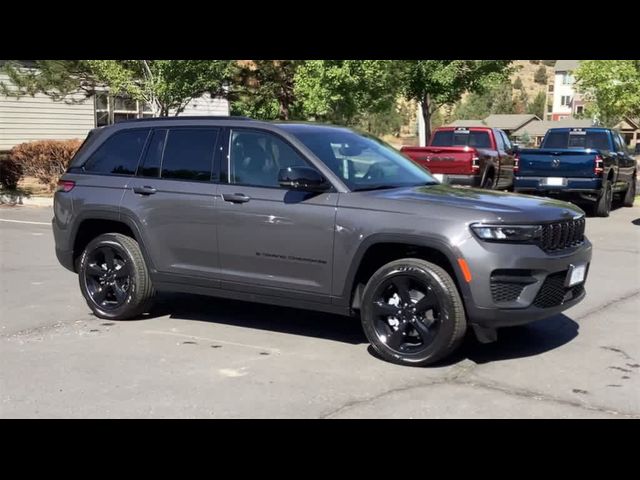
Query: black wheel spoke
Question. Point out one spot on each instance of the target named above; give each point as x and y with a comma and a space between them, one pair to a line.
109, 257
99, 295
95, 270
426, 335
383, 309
396, 338
427, 302
123, 271
401, 285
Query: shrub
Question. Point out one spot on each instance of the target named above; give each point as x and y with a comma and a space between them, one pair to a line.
535, 62
45, 160
10, 173
517, 84
549, 63
540, 76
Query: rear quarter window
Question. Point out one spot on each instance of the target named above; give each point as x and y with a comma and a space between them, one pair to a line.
119, 154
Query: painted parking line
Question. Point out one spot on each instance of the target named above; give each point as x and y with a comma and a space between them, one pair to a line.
24, 221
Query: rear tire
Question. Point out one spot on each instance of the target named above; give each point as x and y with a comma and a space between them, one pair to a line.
630, 194
412, 313
114, 278
603, 204
487, 181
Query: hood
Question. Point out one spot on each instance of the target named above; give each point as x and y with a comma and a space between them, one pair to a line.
472, 204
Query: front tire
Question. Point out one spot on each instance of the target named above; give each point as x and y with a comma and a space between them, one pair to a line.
603, 204
114, 278
412, 312
630, 195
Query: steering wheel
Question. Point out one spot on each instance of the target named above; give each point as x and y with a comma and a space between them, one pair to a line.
375, 172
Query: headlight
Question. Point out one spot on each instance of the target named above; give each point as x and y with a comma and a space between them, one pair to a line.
507, 233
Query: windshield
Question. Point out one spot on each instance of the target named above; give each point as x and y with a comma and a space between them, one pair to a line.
582, 139
361, 161
461, 138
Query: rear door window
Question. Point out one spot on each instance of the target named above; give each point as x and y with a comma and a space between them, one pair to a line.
188, 154
119, 154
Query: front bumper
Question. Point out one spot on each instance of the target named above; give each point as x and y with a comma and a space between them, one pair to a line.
540, 296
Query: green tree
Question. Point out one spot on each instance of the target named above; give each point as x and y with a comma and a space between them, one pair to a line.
434, 83
612, 88
264, 89
166, 85
525, 139
340, 91
496, 98
541, 75
536, 107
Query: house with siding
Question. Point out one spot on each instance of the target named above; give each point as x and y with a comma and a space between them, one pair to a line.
24, 118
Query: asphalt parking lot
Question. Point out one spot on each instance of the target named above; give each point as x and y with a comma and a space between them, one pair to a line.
201, 357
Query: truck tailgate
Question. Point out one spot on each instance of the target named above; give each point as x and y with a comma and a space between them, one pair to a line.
446, 160
556, 163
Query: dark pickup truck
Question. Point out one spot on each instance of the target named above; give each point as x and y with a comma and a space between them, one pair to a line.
591, 164
472, 156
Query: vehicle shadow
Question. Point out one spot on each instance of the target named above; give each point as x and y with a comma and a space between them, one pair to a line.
519, 342
182, 306
513, 342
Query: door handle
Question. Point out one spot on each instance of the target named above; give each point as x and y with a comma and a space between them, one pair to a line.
235, 197
146, 190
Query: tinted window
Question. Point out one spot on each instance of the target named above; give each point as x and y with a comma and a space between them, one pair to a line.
362, 161
153, 157
462, 138
255, 158
119, 154
505, 138
188, 153
499, 140
560, 140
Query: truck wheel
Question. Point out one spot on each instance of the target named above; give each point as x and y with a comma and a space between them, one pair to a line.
114, 278
603, 204
630, 195
487, 181
412, 312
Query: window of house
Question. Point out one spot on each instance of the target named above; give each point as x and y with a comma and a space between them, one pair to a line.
565, 100
579, 109
102, 109
567, 79
119, 154
113, 109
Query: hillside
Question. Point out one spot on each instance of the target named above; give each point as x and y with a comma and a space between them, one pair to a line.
526, 71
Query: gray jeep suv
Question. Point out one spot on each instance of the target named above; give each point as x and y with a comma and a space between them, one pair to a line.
311, 216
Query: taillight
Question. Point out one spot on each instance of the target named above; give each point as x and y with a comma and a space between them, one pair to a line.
598, 167
516, 164
65, 185
475, 164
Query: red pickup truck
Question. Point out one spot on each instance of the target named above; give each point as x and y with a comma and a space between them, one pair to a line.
473, 156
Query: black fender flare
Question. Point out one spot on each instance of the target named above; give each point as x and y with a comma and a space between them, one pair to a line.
450, 252
116, 217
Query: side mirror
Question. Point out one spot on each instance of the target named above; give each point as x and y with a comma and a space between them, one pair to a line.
302, 178
514, 149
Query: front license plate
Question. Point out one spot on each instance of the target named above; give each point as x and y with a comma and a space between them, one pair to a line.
554, 181
439, 177
576, 275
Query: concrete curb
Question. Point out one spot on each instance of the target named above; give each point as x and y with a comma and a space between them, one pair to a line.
22, 200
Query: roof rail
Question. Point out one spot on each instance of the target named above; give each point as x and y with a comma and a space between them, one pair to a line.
187, 117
